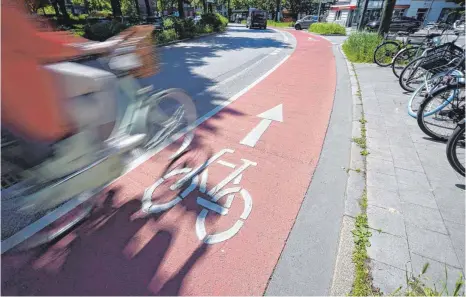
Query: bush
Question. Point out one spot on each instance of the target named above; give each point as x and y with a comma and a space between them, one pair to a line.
327, 28
216, 20
166, 36
204, 29
360, 46
168, 23
185, 28
103, 30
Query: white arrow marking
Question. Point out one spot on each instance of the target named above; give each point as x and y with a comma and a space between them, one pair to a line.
273, 114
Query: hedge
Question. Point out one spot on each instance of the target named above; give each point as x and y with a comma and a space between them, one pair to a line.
327, 29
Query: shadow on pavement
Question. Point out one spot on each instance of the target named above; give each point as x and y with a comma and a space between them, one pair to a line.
107, 255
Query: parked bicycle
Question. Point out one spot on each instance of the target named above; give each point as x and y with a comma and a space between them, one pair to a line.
456, 149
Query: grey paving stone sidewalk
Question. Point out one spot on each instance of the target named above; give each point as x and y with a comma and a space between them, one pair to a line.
415, 198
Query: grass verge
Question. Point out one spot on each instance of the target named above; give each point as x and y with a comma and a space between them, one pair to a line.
362, 283
280, 24
359, 47
327, 29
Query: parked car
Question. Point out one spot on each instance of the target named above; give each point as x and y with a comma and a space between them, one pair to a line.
305, 22
257, 19
406, 24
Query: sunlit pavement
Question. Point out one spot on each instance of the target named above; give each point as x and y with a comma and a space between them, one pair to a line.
223, 231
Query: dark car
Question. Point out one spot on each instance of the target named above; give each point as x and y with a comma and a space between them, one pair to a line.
400, 24
257, 19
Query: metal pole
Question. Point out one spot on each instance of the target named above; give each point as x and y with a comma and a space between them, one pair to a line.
361, 19
318, 11
427, 14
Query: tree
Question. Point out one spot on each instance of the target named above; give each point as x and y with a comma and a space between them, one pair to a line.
389, 6
116, 7
138, 11
148, 8
64, 13
181, 8
55, 7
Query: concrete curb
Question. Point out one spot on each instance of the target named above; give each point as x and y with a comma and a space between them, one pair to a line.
186, 39
344, 272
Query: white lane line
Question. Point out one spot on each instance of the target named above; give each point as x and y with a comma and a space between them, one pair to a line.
244, 70
70, 205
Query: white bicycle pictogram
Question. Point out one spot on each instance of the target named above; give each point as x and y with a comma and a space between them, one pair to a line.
199, 177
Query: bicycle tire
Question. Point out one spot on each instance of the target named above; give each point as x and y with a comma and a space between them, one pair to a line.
158, 120
421, 118
404, 54
432, 82
412, 111
452, 155
409, 75
390, 54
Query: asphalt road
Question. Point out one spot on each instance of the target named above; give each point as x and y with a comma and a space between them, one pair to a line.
213, 69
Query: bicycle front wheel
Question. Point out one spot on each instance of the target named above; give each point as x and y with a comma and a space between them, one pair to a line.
455, 149
441, 111
402, 59
384, 53
413, 75
421, 92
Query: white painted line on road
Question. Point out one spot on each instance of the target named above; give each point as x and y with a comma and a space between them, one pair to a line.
253, 136
212, 206
227, 164
273, 114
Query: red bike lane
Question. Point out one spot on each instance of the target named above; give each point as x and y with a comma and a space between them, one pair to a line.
226, 234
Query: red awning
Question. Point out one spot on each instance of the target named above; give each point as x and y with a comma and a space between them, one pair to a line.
342, 7
402, 6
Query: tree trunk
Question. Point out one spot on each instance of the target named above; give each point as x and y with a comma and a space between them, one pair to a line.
148, 9
228, 9
277, 11
86, 6
55, 7
116, 8
387, 14
181, 8
138, 11
62, 6
204, 4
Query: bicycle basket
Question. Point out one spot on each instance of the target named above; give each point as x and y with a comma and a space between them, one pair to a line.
443, 57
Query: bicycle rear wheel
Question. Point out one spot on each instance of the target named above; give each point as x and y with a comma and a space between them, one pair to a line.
412, 75
384, 53
402, 59
439, 114
456, 149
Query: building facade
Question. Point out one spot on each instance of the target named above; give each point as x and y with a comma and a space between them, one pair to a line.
347, 12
